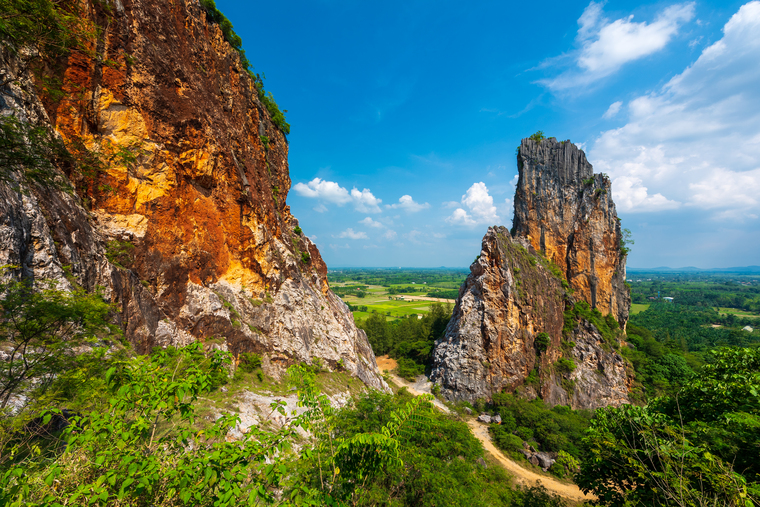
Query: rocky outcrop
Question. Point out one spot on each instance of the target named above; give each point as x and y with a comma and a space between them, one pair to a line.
566, 212
181, 215
515, 326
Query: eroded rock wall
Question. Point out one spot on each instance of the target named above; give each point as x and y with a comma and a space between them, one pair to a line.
510, 297
566, 212
191, 184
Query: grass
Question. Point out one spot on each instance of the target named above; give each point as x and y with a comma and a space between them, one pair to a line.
377, 300
739, 313
638, 308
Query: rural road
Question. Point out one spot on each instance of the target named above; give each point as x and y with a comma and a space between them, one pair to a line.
522, 476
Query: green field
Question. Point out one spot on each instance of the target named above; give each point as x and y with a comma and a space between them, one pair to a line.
377, 299
738, 313
638, 308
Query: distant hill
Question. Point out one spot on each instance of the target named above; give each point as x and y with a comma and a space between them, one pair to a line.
692, 269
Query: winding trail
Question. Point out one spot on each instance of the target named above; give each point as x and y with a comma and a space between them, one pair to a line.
522, 476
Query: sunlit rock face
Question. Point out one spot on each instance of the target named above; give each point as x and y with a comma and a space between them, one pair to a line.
566, 212
564, 248
192, 180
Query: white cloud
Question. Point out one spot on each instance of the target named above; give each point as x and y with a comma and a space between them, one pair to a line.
613, 110
480, 208
351, 234
326, 190
450, 204
696, 141
605, 46
365, 202
320, 209
371, 223
390, 235
406, 202
331, 192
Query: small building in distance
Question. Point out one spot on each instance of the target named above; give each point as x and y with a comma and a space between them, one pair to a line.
748, 329
668, 299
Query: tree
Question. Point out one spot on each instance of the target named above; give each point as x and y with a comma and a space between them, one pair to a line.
41, 327
696, 448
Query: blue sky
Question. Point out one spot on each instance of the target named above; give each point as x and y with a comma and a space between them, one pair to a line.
405, 117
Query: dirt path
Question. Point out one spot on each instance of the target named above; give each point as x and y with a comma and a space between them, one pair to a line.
522, 476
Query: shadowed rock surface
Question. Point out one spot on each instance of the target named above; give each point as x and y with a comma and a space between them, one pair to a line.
192, 193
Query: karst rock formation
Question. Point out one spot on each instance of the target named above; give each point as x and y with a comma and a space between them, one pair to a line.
184, 224
524, 319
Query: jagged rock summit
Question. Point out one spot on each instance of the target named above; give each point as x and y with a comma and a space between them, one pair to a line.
566, 212
183, 222
541, 310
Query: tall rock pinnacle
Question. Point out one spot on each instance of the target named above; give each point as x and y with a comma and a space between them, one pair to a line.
566, 212
542, 308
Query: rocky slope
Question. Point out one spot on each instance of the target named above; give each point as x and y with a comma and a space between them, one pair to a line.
566, 212
180, 184
532, 322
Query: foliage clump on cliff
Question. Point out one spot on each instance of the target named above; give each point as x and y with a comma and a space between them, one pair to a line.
215, 16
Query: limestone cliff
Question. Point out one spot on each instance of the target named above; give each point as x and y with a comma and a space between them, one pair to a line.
566, 212
182, 216
530, 316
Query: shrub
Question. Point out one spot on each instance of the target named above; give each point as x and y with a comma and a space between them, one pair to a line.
538, 136
120, 253
249, 361
298, 230
505, 440
542, 342
565, 465
564, 365
524, 433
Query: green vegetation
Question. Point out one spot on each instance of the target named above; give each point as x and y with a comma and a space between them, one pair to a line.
694, 448
40, 328
607, 325
410, 340
625, 239
386, 277
120, 253
538, 136
638, 308
547, 429
31, 152
42, 24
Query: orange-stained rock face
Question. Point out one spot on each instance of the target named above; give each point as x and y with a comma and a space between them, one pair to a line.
567, 213
194, 175
491, 343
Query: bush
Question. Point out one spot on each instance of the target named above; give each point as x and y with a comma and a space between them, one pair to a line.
564, 365
505, 440
524, 433
249, 361
542, 342
565, 465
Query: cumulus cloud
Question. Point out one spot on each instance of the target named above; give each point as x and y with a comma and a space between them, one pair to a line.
406, 202
696, 141
605, 46
371, 223
390, 235
329, 191
480, 208
613, 110
365, 202
351, 234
